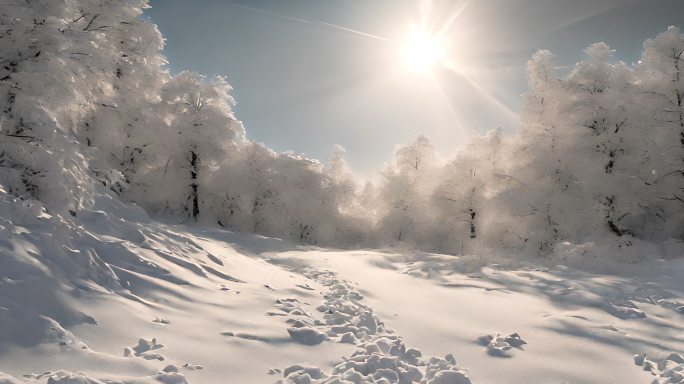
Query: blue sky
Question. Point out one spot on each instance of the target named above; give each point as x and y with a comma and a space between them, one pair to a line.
305, 79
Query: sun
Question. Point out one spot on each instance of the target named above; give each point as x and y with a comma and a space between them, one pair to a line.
422, 51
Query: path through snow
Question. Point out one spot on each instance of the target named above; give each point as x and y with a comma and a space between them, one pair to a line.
129, 302
572, 334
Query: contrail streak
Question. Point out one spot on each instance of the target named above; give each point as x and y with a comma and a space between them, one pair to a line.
315, 23
341, 28
588, 16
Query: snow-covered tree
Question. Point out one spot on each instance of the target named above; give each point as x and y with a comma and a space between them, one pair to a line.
461, 199
38, 98
51, 77
125, 122
201, 130
539, 176
662, 104
599, 116
405, 192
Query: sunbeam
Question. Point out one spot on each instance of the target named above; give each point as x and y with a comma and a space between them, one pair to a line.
508, 112
463, 130
452, 19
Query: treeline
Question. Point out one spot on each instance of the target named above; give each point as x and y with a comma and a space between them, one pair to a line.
600, 154
85, 100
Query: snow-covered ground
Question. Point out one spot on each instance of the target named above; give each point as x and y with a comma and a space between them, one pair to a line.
126, 299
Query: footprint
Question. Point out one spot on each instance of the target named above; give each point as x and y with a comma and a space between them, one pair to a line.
500, 346
143, 350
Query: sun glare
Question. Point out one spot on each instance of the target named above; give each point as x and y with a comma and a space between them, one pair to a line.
422, 51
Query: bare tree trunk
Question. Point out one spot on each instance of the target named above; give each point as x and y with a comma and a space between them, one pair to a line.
472, 214
194, 173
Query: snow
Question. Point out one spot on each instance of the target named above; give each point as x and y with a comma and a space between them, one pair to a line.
561, 313
668, 370
140, 301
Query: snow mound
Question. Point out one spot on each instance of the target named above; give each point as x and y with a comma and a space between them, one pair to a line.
499, 345
669, 370
143, 349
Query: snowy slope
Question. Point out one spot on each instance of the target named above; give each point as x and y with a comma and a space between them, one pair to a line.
117, 296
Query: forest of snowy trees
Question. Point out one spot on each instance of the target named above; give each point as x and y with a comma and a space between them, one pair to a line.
87, 104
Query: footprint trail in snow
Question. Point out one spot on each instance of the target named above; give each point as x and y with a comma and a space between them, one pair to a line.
382, 356
669, 370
